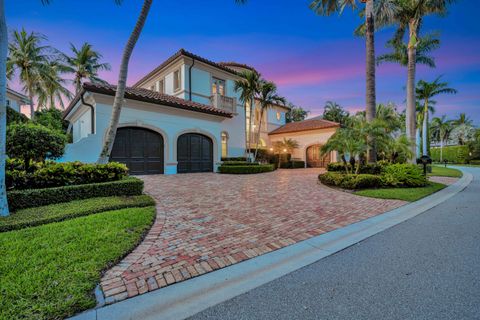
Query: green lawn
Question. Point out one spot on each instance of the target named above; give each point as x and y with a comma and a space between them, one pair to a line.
50, 271
406, 194
68, 210
445, 172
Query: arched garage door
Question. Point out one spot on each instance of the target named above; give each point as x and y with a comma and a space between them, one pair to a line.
140, 149
315, 158
194, 153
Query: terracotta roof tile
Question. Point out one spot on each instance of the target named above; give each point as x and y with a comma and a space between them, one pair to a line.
145, 95
235, 64
305, 125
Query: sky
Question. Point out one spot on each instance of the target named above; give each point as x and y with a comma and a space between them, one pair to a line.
312, 59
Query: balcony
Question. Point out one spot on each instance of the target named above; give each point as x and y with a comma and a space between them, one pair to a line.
225, 103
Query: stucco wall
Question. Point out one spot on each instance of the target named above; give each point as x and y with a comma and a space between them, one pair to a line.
306, 139
170, 122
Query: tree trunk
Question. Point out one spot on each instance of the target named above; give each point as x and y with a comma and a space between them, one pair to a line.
3, 108
410, 114
418, 139
424, 129
122, 83
250, 131
370, 75
441, 150
258, 134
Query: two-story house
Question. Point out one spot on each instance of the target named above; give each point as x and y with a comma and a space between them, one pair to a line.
183, 116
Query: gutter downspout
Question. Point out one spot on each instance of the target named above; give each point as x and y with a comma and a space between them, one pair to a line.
190, 80
92, 113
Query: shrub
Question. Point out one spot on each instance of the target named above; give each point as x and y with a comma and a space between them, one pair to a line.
474, 162
350, 181
453, 154
20, 199
16, 117
337, 166
29, 141
51, 118
239, 163
293, 164
51, 174
403, 175
234, 159
371, 168
246, 169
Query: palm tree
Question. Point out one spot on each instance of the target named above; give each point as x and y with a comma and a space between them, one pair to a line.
84, 64
463, 119
249, 87
426, 91
267, 96
345, 142
388, 114
409, 15
284, 146
425, 45
378, 10
122, 82
334, 112
30, 59
52, 87
441, 129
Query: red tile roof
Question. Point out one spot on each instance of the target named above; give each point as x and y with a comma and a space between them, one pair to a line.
305, 125
235, 64
145, 95
183, 52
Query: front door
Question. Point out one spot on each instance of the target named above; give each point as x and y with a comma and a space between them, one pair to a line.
315, 158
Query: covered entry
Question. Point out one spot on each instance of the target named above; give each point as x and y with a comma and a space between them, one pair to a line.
140, 149
194, 153
315, 158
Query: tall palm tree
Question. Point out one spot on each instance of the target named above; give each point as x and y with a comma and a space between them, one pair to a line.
122, 82
249, 87
51, 89
408, 17
441, 129
84, 63
267, 96
426, 91
30, 59
375, 11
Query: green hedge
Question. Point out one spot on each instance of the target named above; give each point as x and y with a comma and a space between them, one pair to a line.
292, 164
20, 199
350, 181
474, 162
239, 163
234, 159
453, 154
246, 169
31, 217
52, 174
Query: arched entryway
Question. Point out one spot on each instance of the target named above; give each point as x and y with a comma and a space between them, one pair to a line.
315, 158
142, 150
194, 153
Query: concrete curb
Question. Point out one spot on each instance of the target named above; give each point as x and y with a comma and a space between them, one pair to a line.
187, 298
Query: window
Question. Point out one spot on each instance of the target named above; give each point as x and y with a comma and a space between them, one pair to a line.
279, 116
224, 144
160, 86
218, 86
176, 80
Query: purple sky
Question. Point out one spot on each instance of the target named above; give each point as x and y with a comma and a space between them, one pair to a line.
312, 59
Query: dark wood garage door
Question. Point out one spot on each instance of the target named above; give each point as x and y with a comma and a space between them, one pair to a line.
194, 153
315, 158
140, 149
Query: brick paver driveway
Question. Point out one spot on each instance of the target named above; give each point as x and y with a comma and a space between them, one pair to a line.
209, 221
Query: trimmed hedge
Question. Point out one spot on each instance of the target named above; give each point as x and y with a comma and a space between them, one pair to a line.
234, 159
350, 181
453, 154
32, 217
474, 162
239, 163
293, 164
51, 174
246, 169
20, 199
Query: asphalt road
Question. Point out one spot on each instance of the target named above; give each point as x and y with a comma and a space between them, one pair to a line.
425, 268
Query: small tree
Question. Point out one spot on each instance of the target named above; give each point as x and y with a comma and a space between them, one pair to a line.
334, 112
35, 142
51, 118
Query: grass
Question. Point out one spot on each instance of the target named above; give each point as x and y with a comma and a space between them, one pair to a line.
68, 210
445, 172
50, 271
406, 194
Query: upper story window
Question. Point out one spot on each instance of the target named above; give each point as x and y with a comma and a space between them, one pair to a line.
279, 116
177, 79
161, 86
218, 86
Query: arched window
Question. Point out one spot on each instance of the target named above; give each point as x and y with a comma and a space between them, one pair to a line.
224, 144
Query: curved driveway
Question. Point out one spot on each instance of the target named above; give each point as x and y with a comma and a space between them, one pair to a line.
425, 268
209, 221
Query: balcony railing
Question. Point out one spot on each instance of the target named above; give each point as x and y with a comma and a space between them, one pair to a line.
225, 103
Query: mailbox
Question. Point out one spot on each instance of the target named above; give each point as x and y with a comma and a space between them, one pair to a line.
424, 160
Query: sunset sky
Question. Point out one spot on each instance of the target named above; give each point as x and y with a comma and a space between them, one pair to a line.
312, 59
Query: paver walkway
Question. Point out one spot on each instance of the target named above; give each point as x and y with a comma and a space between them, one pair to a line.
208, 221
